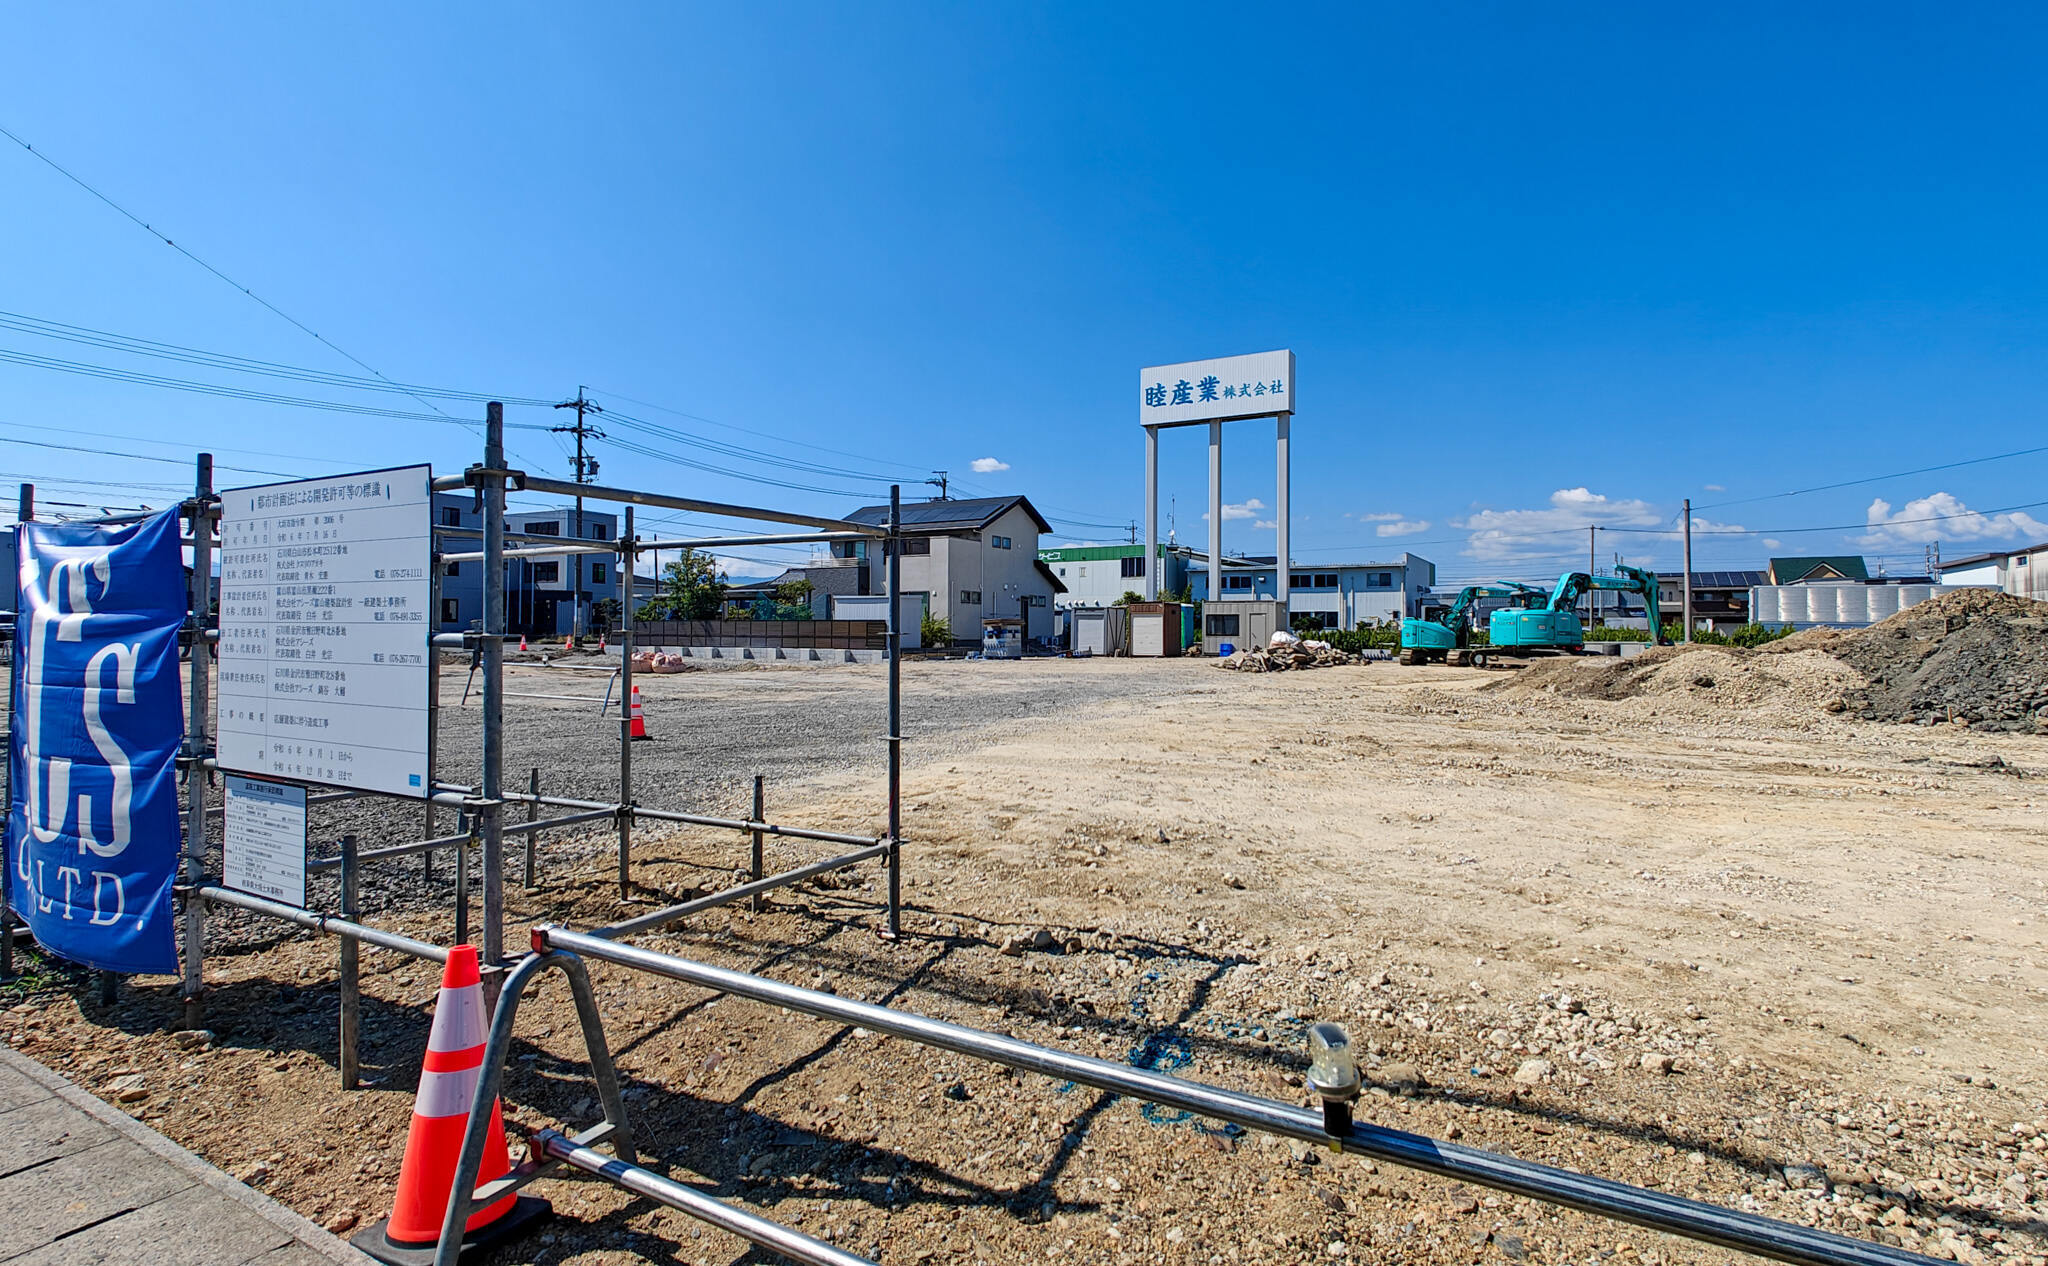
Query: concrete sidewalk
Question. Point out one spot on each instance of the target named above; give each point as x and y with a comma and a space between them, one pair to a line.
83, 1182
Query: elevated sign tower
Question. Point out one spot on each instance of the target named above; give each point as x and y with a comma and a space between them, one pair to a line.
1229, 389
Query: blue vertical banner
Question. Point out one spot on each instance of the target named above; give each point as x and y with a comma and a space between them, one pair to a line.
92, 830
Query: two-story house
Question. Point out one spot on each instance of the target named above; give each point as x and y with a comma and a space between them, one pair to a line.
972, 560
544, 597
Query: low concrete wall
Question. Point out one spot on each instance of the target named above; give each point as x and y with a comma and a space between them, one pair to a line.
777, 654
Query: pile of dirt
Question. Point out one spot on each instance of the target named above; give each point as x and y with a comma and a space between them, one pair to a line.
1976, 656
1798, 682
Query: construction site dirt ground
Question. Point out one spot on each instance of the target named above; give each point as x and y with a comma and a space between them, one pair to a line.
1756, 953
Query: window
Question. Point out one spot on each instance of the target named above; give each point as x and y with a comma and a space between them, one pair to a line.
1134, 565
454, 569
546, 573
1314, 580
451, 611
970, 597
1063, 571
1220, 625
1301, 580
597, 573
550, 527
1037, 599
2020, 561
1000, 542
598, 531
1386, 580
1237, 582
451, 516
915, 545
1326, 580
1084, 573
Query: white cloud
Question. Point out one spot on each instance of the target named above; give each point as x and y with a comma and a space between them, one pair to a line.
1400, 526
1240, 509
1941, 517
1385, 516
1267, 525
1715, 488
1772, 542
1513, 535
988, 465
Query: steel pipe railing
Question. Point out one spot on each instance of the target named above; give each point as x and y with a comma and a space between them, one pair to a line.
327, 923
661, 918
1711, 1224
750, 1226
696, 505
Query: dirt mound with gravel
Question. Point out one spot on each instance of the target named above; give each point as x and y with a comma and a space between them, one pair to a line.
1976, 656
1798, 683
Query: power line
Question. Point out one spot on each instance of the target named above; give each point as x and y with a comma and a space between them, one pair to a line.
660, 431
151, 230
1900, 474
114, 374
147, 457
41, 327
695, 417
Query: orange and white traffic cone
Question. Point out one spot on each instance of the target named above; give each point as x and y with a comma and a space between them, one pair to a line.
522, 641
601, 642
639, 729
569, 642
440, 1116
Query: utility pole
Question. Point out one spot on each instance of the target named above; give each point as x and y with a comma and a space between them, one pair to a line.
1592, 594
586, 471
1685, 616
938, 480
1134, 531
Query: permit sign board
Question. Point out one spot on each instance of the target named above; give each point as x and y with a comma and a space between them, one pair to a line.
324, 620
1259, 385
263, 844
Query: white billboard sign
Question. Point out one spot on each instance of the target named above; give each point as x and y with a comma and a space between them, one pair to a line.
1255, 386
324, 590
263, 839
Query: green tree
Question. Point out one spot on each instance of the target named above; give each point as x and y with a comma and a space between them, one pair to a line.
691, 589
1130, 596
935, 630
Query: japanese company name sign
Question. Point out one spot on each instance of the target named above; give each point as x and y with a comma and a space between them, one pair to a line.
92, 830
1255, 386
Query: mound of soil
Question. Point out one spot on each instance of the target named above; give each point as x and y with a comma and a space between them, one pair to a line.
1798, 683
1976, 656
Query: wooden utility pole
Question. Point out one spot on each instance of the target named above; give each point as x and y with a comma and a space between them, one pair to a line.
586, 470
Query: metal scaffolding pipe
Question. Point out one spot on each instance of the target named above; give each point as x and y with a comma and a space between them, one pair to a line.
530, 551
722, 542
773, 1236
1727, 1228
458, 790
599, 492
326, 923
663, 917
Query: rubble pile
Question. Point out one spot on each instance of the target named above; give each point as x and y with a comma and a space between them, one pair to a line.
1286, 652
1976, 657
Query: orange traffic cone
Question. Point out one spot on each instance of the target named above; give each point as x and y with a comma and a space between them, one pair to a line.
522, 641
569, 642
601, 643
639, 730
440, 1115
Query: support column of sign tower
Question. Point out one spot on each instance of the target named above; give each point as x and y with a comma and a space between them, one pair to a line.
1152, 562
1216, 509
1284, 562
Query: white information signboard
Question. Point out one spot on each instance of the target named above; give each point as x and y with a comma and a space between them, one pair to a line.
1255, 386
263, 842
324, 592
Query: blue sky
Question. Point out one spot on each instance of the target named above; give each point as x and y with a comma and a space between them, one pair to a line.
1541, 267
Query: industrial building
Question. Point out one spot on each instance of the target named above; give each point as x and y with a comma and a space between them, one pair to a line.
2022, 572
1329, 595
1720, 599
1098, 575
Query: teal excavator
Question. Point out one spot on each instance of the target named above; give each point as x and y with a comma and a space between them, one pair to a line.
1556, 625
1446, 637
1534, 625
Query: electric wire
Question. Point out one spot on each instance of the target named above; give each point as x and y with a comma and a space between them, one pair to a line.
694, 417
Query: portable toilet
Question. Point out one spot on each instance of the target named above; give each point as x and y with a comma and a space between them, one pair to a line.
1002, 638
